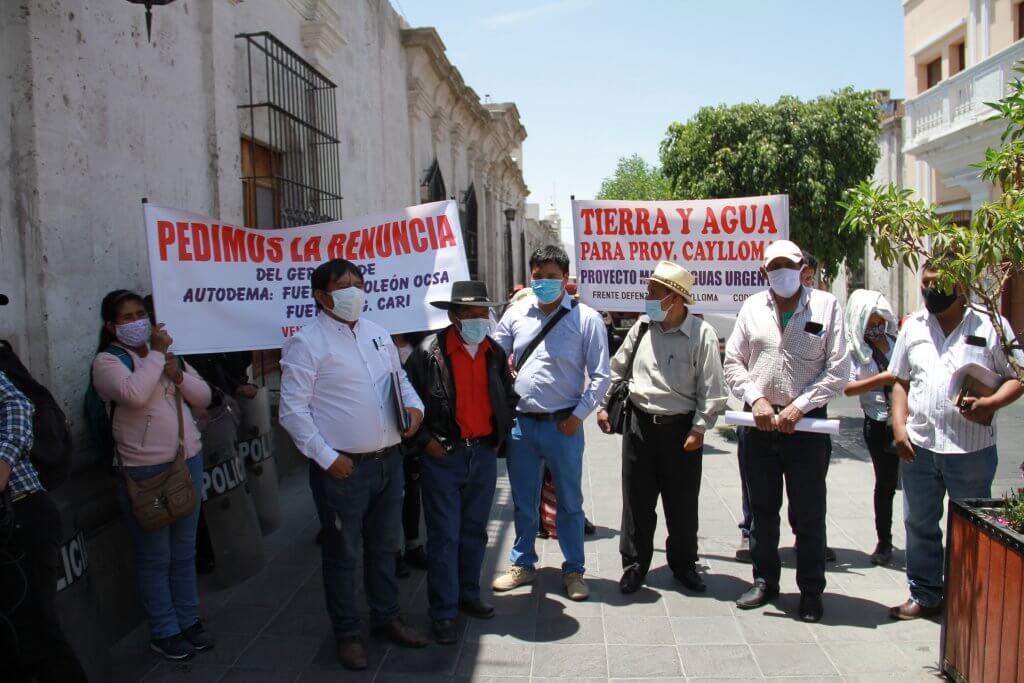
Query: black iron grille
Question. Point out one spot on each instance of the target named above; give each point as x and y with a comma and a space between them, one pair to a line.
291, 113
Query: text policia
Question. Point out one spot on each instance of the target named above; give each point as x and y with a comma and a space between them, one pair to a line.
731, 219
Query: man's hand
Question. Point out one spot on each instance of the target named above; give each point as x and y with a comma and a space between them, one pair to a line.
248, 391
415, 419
5, 475
603, 422
786, 421
341, 468
171, 369
694, 440
434, 449
904, 448
570, 425
979, 410
159, 340
764, 415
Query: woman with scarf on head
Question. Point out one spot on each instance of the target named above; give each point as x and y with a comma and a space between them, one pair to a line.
137, 377
870, 334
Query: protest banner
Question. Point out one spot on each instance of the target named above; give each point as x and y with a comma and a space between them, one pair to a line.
221, 287
720, 241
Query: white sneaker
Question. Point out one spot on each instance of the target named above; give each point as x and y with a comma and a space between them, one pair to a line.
515, 577
575, 586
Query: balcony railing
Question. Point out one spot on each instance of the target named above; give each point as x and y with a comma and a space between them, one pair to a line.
959, 101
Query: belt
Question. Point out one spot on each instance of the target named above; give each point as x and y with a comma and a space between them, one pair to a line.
663, 419
563, 414
15, 497
468, 443
372, 455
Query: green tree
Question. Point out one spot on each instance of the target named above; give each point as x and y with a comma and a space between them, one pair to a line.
980, 258
635, 179
813, 151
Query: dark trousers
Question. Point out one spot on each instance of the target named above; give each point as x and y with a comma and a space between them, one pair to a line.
359, 516
653, 464
887, 474
741, 457
457, 493
801, 461
411, 465
32, 643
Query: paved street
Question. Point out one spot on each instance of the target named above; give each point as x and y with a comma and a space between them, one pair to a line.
274, 628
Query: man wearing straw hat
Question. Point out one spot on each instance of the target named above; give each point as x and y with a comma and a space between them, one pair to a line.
676, 391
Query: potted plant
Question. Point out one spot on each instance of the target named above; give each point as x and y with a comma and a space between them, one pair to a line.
984, 620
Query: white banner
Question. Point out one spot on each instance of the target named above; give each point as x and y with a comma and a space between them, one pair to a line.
720, 241
225, 288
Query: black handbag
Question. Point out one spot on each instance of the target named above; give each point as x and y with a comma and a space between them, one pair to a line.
618, 395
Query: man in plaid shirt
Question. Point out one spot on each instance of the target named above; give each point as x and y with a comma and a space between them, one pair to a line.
32, 646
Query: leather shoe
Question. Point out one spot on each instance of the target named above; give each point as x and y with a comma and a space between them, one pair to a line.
477, 608
444, 632
811, 608
352, 654
911, 610
631, 580
400, 634
692, 580
758, 595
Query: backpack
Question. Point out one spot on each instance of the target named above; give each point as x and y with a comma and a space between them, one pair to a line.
98, 420
51, 446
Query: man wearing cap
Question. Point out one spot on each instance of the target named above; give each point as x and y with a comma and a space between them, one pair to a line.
787, 358
676, 391
464, 379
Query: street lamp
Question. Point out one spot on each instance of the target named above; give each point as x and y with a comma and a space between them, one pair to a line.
510, 215
149, 12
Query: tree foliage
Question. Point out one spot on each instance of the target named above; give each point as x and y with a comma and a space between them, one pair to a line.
811, 150
635, 179
980, 257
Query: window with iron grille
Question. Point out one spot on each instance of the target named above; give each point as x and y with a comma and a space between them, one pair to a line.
291, 168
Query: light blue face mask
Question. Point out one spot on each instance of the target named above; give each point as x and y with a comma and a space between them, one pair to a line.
654, 310
474, 330
547, 291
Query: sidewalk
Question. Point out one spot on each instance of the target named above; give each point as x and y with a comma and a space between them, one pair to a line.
274, 627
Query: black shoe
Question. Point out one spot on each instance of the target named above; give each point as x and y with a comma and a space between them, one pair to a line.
830, 554
631, 580
692, 580
173, 649
542, 532
882, 555
416, 558
198, 637
811, 608
588, 527
400, 568
477, 609
444, 632
758, 595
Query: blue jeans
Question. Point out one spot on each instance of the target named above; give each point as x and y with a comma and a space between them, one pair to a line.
926, 481
165, 559
457, 493
360, 516
533, 444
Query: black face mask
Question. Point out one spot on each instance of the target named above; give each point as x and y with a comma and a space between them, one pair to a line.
937, 301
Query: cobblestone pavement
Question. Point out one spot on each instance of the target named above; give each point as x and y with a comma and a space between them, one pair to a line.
274, 627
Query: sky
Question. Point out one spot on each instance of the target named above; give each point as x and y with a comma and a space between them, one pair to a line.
596, 80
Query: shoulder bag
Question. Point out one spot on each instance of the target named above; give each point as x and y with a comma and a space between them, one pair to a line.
618, 395
535, 342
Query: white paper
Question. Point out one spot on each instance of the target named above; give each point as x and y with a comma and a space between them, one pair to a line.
816, 425
978, 372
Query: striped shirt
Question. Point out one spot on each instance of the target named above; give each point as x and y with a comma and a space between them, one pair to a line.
806, 364
927, 358
16, 438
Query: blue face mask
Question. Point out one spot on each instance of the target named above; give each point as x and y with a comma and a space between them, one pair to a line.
547, 291
474, 330
655, 311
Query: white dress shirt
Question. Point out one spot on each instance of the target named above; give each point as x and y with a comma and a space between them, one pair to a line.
927, 358
336, 389
806, 364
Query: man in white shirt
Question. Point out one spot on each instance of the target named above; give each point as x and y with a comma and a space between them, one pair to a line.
944, 447
337, 404
787, 358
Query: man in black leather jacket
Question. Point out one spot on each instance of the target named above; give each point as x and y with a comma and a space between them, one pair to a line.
463, 378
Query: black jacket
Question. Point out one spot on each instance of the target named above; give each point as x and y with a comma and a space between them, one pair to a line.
430, 371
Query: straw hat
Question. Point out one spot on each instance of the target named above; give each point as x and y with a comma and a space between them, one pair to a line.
676, 278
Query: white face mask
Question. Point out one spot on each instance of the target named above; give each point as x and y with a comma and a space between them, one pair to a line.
348, 303
784, 281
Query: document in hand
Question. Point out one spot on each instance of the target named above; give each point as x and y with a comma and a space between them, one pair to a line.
815, 425
972, 380
401, 415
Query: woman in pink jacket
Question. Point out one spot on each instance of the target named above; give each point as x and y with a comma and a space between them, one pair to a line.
145, 429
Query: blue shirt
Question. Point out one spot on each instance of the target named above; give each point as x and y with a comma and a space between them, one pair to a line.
569, 369
16, 438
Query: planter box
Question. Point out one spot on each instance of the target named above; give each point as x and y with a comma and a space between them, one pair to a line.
984, 621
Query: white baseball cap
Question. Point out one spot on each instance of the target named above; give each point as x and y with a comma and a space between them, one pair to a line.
782, 249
